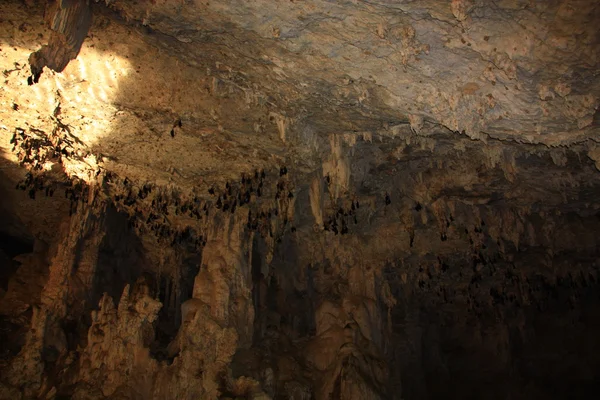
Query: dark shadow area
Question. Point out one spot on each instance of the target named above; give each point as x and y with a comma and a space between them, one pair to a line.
121, 258
172, 292
15, 238
259, 288
21, 279
516, 332
166, 326
12, 246
12, 337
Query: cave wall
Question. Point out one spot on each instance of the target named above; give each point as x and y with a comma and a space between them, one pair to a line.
183, 217
448, 296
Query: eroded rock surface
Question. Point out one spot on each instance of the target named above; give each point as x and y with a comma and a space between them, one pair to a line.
299, 200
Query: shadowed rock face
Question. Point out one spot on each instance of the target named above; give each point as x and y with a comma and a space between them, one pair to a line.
299, 200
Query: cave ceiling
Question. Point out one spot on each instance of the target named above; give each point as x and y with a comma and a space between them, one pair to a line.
195, 94
486, 102
409, 189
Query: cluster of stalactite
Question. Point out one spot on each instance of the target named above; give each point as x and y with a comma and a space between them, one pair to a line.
150, 207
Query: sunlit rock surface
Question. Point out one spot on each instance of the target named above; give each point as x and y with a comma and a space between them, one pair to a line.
299, 200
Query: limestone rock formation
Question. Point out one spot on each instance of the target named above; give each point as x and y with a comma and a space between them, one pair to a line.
299, 199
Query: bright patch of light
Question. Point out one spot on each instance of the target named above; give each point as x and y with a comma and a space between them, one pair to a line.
85, 91
82, 67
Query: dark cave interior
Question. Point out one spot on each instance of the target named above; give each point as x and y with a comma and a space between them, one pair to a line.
196, 203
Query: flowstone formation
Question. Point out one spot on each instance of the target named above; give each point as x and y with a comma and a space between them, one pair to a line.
299, 200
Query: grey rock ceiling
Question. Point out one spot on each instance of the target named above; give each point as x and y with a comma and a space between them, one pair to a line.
520, 70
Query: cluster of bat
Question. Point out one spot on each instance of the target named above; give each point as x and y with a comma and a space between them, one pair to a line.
35, 148
234, 195
154, 215
75, 191
262, 222
338, 221
34, 183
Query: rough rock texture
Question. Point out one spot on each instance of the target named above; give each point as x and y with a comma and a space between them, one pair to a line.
299, 200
